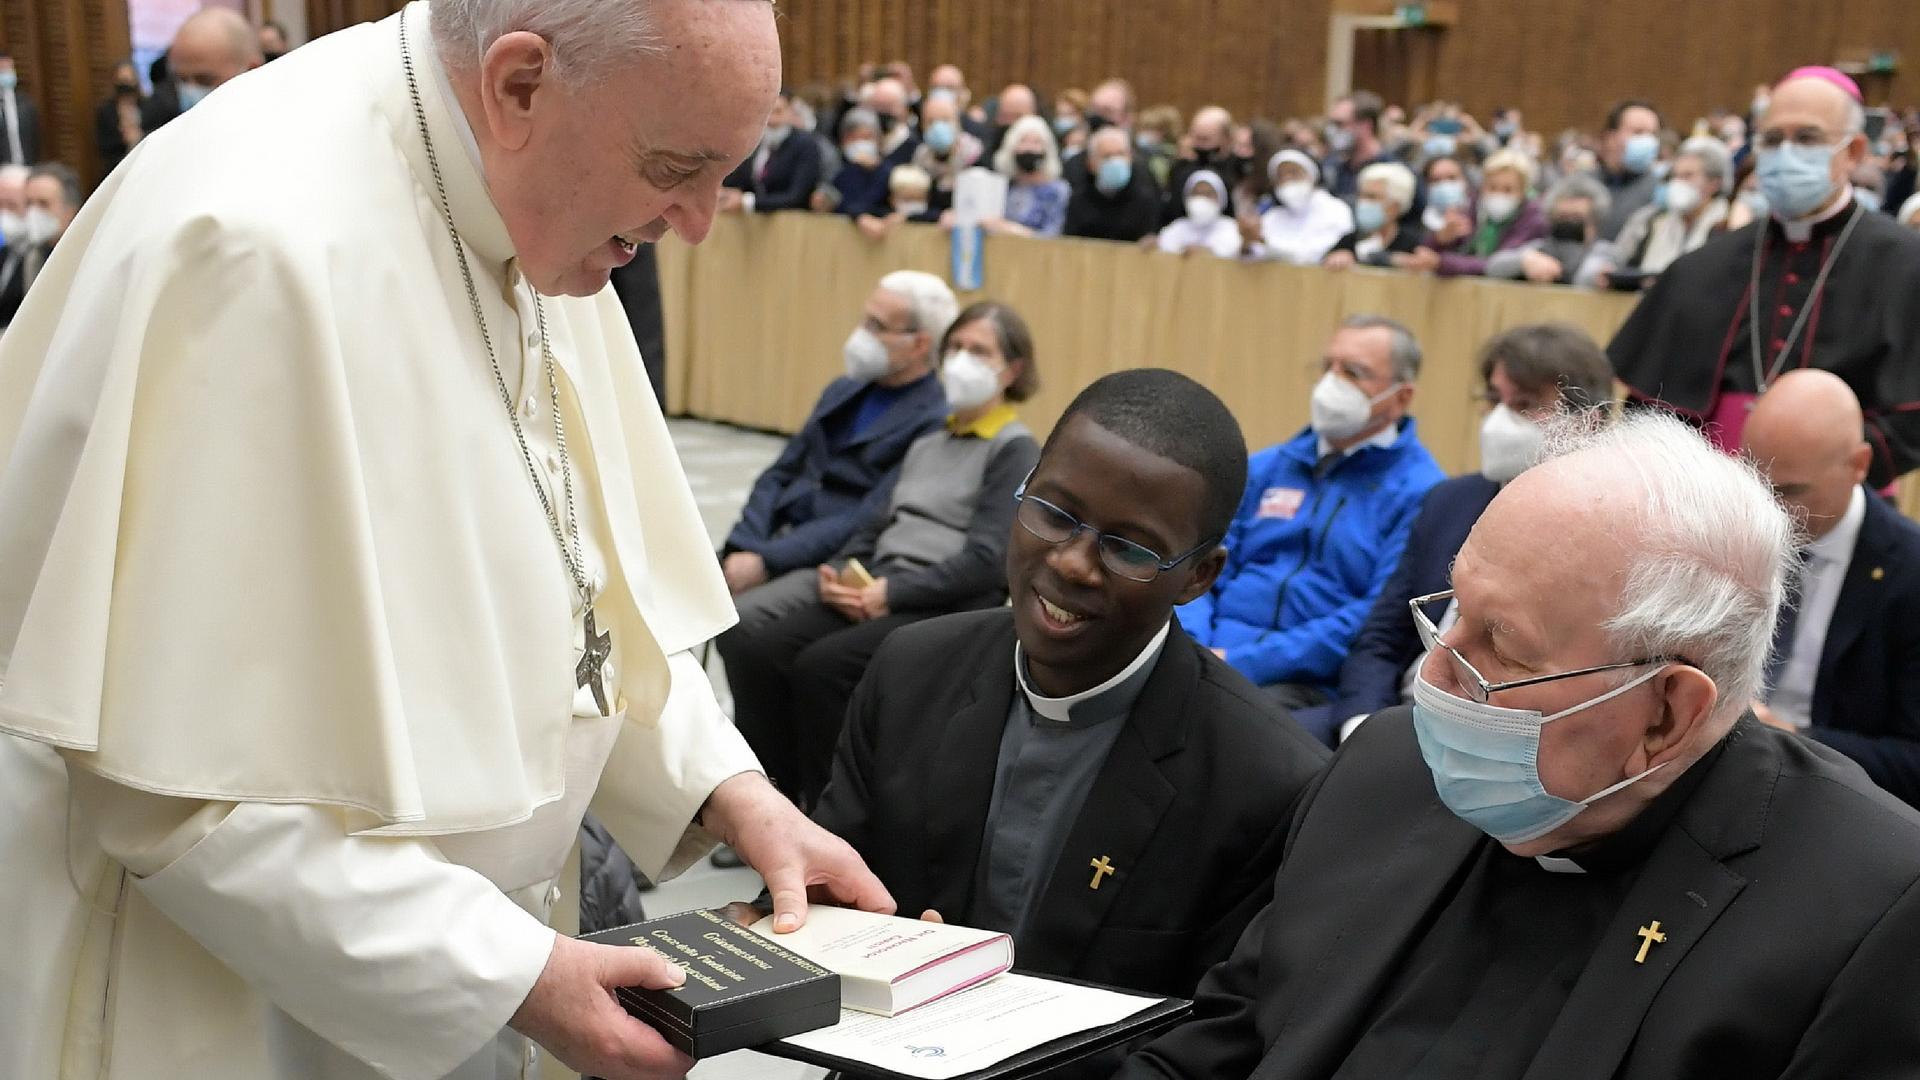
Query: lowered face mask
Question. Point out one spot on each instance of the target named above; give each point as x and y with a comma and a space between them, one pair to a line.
1485, 761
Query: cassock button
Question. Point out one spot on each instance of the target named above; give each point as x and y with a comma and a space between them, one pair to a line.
1786, 311
1793, 279
1778, 344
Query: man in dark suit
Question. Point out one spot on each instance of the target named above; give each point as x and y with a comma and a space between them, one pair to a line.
213, 46
19, 118
1529, 372
1845, 665
1578, 856
838, 471
782, 174
1074, 769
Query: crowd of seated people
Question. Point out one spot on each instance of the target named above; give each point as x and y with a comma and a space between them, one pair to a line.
1366, 184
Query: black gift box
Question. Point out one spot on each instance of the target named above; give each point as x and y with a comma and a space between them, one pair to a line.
742, 990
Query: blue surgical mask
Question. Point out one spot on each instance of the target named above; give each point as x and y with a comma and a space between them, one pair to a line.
1064, 124
1368, 216
9, 80
1447, 194
1640, 153
192, 94
940, 136
1485, 762
1796, 179
1440, 146
1115, 174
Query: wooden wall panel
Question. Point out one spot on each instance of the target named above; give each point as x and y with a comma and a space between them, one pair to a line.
65, 51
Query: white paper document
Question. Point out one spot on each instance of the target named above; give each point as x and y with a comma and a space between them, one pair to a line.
971, 1030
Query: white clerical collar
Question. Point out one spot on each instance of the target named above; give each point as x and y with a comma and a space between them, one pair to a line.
1384, 439
1837, 546
460, 122
1061, 708
1800, 229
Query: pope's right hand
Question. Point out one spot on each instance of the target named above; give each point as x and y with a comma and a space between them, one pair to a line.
571, 1011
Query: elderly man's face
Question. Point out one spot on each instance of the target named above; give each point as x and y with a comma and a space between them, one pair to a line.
1016, 103
1687, 168
204, 54
582, 174
1106, 146
1110, 102
1813, 112
45, 193
1529, 607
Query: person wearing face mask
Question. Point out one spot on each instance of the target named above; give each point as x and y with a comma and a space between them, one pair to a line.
51, 196
116, 121
1577, 854
839, 468
1691, 210
1323, 521
1820, 282
1381, 232
936, 544
1205, 226
859, 189
1529, 373
1037, 197
1845, 664
1570, 253
13, 205
1628, 153
19, 117
946, 147
1116, 198
1208, 145
783, 171
1447, 218
1303, 222
909, 190
1353, 136
892, 107
212, 47
1504, 218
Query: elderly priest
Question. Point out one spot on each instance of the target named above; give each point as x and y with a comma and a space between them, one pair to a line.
1578, 857
346, 560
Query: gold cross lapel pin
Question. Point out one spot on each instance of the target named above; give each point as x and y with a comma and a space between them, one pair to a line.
1102, 866
1649, 937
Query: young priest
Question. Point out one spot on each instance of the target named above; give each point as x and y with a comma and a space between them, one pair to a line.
1073, 769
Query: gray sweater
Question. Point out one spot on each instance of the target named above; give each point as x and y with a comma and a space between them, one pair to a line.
942, 542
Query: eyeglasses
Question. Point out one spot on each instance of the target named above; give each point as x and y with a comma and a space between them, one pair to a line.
877, 327
1118, 554
1476, 684
1346, 369
1807, 137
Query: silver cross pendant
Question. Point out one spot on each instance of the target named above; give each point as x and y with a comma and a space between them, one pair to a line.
587, 672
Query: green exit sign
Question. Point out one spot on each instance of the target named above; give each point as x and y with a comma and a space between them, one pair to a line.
1412, 14
1883, 63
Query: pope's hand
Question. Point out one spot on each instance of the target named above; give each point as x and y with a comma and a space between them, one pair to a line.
571, 1011
793, 856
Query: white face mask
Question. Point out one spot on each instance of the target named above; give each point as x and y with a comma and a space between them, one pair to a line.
41, 226
866, 356
1294, 194
968, 381
1509, 444
1682, 197
1342, 410
1203, 212
1498, 207
13, 227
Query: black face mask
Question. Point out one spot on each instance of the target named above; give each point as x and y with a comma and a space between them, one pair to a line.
126, 88
270, 56
1206, 155
1028, 160
1245, 160
1094, 122
1568, 232
888, 123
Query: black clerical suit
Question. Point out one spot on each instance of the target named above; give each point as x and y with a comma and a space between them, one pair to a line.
1689, 340
1787, 888
1188, 808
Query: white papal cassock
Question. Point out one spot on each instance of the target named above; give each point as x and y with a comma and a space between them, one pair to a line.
294, 751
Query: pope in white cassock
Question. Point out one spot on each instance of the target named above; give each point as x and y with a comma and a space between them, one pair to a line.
346, 562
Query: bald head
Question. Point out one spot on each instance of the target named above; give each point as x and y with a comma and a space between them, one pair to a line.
13, 188
212, 46
1806, 436
1016, 102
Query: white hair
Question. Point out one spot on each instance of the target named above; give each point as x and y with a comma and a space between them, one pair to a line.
933, 305
1398, 178
1003, 160
1712, 554
590, 38
1713, 156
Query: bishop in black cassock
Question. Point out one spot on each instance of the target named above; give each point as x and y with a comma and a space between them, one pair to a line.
1828, 284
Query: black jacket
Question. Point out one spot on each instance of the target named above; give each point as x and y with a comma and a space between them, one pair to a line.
27, 116
1866, 696
1787, 885
1126, 216
1189, 807
792, 174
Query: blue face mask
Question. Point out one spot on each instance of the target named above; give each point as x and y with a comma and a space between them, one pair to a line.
9, 80
1485, 762
1368, 216
1115, 174
940, 136
1064, 124
1640, 153
1447, 194
1796, 179
192, 94
1440, 146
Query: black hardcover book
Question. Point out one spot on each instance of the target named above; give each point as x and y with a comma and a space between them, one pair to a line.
741, 990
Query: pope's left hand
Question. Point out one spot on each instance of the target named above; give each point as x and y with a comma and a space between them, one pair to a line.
796, 858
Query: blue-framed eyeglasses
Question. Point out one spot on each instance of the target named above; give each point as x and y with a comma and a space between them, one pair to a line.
1119, 555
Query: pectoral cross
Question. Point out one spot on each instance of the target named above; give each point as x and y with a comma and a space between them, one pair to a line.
1649, 937
1101, 868
587, 672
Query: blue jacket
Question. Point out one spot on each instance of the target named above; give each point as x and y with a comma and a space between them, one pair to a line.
1388, 643
1306, 557
813, 499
